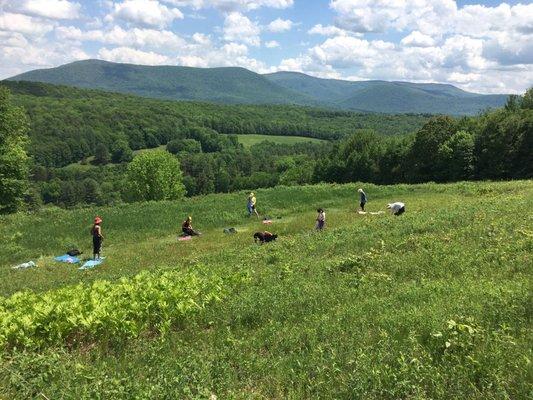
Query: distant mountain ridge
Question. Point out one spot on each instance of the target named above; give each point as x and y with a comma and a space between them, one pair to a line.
236, 85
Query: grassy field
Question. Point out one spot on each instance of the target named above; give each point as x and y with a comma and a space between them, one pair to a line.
434, 304
250, 140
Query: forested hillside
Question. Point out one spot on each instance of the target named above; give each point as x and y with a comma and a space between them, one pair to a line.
68, 123
82, 142
390, 97
241, 86
222, 85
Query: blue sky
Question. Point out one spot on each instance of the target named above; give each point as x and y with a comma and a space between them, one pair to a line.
482, 46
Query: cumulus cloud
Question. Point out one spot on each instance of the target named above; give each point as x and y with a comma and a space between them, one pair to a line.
232, 5
235, 49
381, 15
145, 12
477, 47
19, 53
328, 30
129, 55
271, 44
54, 9
417, 39
239, 28
136, 37
201, 38
280, 25
24, 24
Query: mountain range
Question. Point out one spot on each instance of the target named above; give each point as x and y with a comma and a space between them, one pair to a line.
238, 85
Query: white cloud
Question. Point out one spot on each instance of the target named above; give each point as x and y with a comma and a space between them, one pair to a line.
417, 39
428, 16
232, 5
509, 49
280, 25
54, 9
477, 47
24, 24
129, 55
271, 44
201, 38
136, 37
328, 30
238, 28
145, 12
19, 54
235, 49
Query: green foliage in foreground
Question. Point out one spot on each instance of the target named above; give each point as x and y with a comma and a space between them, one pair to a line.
434, 304
105, 310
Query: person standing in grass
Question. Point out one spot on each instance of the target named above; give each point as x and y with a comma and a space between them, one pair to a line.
362, 199
320, 219
251, 205
96, 232
397, 208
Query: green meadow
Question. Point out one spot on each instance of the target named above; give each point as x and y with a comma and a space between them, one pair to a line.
250, 140
433, 304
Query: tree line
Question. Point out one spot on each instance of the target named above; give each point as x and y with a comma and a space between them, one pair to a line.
494, 145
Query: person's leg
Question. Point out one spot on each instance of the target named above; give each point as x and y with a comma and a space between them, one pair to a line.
362, 206
95, 247
98, 249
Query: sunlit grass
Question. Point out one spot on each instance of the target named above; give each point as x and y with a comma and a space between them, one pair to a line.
433, 304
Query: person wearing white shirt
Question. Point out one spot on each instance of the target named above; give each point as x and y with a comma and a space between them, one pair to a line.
397, 208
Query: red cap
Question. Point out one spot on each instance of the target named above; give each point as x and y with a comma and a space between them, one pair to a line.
97, 220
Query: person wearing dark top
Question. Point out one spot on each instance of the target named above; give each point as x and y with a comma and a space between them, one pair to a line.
363, 199
96, 232
187, 229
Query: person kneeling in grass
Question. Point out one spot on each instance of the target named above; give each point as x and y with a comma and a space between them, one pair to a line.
397, 208
187, 229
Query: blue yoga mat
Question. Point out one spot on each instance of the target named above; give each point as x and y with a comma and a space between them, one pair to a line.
92, 263
67, 259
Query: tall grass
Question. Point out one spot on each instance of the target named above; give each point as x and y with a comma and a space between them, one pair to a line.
435, 304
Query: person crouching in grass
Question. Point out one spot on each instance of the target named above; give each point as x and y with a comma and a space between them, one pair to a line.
397, 208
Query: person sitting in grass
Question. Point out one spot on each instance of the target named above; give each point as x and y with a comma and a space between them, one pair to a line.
96, 232
397, 208
251, 205
320, 219
187, 228
362, 199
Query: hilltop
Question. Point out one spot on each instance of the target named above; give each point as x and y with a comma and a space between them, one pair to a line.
426, 305
233, 85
